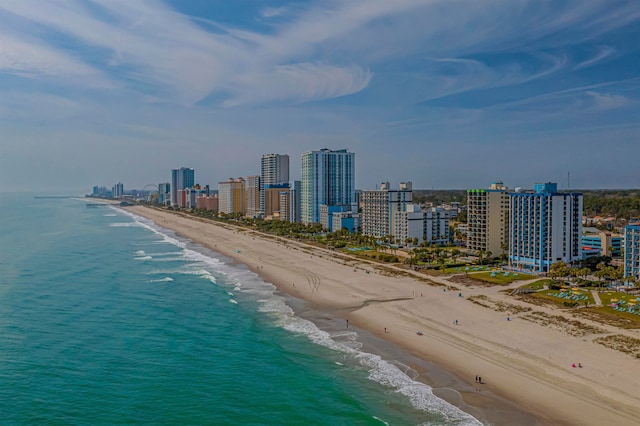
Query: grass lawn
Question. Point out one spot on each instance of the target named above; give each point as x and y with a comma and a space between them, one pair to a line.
499, 277
538, 285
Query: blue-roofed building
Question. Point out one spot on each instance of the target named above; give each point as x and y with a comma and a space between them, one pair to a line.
545, 227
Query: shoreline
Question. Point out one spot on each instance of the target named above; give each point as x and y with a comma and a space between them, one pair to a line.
523, 364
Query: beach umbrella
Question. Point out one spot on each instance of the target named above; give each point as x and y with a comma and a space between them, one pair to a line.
614, 300
632, 300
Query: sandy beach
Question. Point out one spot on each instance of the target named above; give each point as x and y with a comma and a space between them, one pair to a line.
526, 360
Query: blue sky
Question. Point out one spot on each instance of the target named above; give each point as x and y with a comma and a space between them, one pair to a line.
445, 93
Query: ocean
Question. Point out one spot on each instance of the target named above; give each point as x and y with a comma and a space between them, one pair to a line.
106, 318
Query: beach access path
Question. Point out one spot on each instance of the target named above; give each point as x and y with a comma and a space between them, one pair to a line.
523, 352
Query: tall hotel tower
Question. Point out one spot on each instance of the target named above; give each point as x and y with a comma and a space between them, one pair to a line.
274, 171
488, 219
380, 206
545, 227
328, 177
181, 178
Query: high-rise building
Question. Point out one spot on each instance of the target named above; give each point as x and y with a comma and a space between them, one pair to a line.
118, 190
328, 177
379, 208
272, 201
164, 192
294, 201
274, 171
632, 251
414, 226
253, 197
488, 219
545, 227
231, 196
181, 178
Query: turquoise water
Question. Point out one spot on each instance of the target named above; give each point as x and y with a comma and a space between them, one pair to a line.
106, 318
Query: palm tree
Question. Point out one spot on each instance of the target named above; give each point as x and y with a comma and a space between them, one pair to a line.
455, 253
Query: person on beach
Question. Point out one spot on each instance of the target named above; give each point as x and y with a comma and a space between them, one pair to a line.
385, 329
347, 323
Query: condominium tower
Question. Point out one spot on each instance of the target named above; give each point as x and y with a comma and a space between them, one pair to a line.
253, 196
328, 177
632, 251
180, 179
488, 219
231, 196
274, 171
545, 227
379, 208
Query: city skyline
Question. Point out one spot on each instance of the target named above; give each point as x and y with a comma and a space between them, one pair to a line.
449, 96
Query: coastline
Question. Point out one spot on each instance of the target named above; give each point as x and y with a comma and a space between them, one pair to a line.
525, 366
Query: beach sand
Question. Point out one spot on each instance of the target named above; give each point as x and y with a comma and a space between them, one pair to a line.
525, 363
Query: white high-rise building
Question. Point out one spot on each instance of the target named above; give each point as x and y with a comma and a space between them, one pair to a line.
545, 227
181, 178
379, 208
414, 226
274, 171
328, 177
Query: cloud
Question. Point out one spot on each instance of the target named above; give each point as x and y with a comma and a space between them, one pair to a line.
34, 60
272, 12
298, 83
603, 53
321, 51
607, 101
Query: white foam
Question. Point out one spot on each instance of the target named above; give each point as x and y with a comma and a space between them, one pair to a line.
161, 280
124, 224
143, 258
140, 253
233, 301
110, 214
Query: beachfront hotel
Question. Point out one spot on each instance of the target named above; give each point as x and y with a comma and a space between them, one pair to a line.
294, 201
274, 170
180, 179
231, 196
488, 219
379, 208
545, 227
252, 203
328, 177
632, 251
415, 226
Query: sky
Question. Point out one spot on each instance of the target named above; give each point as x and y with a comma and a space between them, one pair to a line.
448, 94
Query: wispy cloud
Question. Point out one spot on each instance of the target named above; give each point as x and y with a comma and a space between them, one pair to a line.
606, 101
272, 12
321, 50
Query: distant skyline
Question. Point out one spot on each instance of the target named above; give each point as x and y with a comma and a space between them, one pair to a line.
449, 94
